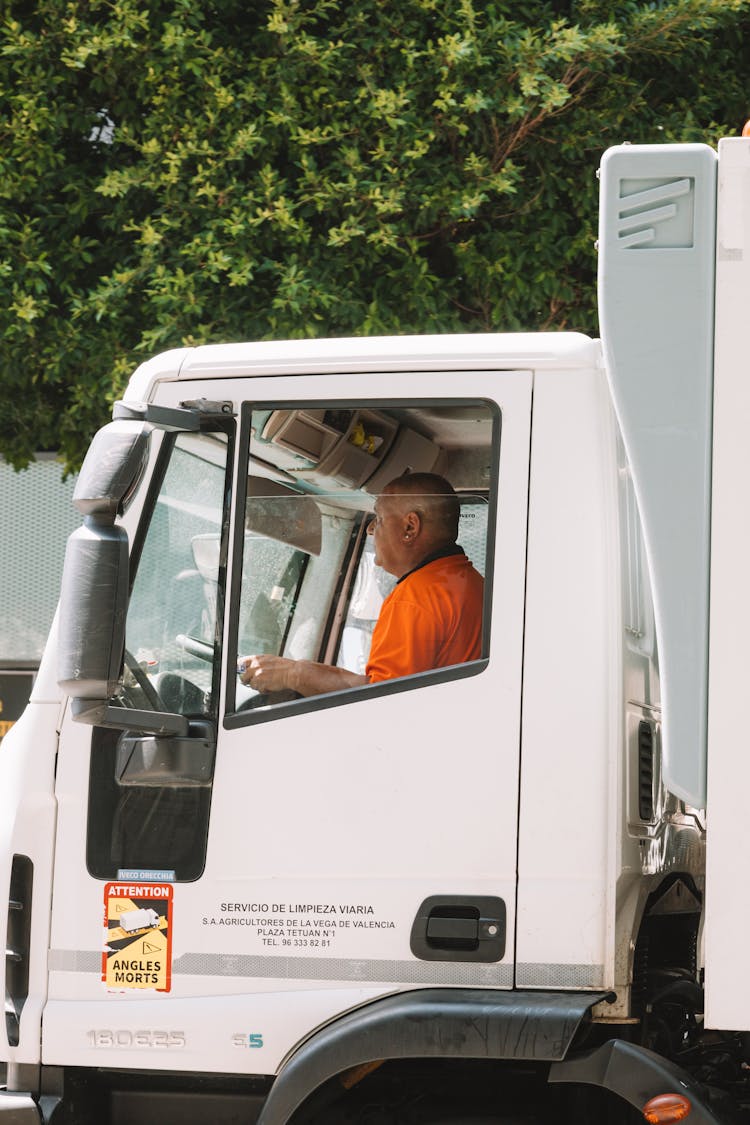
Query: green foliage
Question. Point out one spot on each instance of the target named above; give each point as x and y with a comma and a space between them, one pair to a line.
173, 173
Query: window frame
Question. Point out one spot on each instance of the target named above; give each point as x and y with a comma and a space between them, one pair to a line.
233, 719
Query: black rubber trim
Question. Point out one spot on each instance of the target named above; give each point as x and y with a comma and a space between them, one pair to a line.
637, 1075
432, 1023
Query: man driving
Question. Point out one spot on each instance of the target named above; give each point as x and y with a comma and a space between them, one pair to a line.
433, 616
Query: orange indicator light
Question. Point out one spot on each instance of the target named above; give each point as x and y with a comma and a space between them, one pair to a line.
665, 1108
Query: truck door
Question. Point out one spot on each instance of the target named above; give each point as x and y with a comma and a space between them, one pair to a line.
341, 845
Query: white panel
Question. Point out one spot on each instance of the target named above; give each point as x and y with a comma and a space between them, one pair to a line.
403, 796
727, 923
571, 696
237, 1034
656, 257
477, 351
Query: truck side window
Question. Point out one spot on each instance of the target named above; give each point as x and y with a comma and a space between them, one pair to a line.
309, 587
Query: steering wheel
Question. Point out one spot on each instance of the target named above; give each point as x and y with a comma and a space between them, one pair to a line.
155, 702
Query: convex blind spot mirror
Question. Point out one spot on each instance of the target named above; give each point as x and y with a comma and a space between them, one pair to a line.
112, 468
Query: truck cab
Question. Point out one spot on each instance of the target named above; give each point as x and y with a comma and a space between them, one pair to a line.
435, 891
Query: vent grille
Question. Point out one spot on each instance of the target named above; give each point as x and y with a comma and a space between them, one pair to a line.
17, 944
645, 771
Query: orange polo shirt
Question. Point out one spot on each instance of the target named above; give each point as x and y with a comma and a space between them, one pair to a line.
433, 618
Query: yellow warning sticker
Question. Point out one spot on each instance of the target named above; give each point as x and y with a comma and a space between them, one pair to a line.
137, 936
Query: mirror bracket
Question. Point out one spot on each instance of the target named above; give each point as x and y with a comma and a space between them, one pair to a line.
185, 418
103, 713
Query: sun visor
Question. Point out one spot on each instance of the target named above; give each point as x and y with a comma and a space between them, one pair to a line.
280, 513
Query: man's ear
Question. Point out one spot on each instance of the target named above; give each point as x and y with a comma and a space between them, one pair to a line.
412, 525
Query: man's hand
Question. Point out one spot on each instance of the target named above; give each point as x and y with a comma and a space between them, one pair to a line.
266, 674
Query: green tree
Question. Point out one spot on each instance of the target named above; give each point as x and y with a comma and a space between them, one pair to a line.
174, 172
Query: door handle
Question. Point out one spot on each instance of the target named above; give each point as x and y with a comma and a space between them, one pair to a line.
441, 930
459, 928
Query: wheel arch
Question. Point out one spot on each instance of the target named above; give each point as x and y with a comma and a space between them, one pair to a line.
431, 1023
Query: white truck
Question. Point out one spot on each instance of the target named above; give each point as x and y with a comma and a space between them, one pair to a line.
476, 894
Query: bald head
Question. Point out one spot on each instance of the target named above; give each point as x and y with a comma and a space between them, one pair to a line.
435, 501
415, 515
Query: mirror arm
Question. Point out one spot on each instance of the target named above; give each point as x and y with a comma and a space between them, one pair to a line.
102, 713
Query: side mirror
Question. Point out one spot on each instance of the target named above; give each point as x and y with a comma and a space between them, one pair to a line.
93, 606
94, 590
